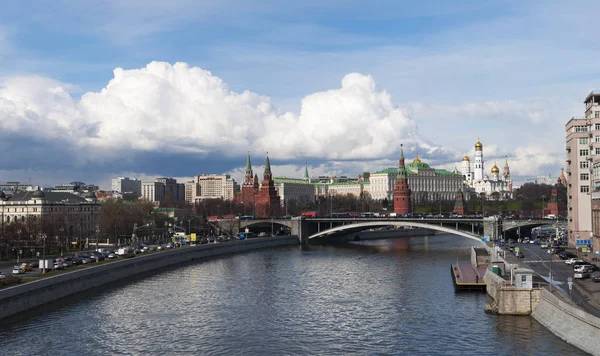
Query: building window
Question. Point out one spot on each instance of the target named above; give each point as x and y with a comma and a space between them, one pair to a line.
584, 189
597, 150
597, 115
584, 164
584, 153
580, 129
584, 176
596, 138
583, 141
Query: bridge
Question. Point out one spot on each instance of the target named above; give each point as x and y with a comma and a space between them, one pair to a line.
318, 228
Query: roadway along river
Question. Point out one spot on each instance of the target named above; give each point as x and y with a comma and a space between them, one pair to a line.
379, 297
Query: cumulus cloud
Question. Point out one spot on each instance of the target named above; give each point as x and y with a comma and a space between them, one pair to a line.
178, 108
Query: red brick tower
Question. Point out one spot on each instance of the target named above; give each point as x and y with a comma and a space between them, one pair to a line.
459, 204
401, 189
248, 188
267, 200
554, 206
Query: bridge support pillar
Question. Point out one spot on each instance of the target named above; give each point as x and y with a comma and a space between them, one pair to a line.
492, 228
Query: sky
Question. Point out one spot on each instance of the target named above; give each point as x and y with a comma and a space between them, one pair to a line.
94, 90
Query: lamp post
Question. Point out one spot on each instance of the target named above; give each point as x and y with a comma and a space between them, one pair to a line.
62, 232
19, 246
44, 252
543, 205
189, 226
272, 227
97, 236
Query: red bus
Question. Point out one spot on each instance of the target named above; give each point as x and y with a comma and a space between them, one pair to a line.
311, 214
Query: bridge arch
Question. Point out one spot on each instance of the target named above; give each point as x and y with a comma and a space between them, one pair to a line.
368, 224
279, 222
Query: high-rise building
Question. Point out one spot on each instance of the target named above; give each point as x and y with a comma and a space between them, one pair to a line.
192, 189
127, 185
583, 171
216, 186
163, 189
401, 189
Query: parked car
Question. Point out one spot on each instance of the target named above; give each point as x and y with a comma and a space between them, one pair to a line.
25, 267
17, 270
544, 244
581, 275
2, 275
570, 261
112, 255
595, 276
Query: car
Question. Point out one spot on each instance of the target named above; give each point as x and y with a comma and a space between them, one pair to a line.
595, 276
519, 255
25, 267
581, 268
17, 270
581, 275
525, 240
2, 275
112, 255
544, 244
571, 261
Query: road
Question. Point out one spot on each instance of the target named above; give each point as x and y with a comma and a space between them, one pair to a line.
541, 262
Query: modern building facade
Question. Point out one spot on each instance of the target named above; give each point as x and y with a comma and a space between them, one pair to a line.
216, 186
583, 171
163, 189
127, 185
192, 190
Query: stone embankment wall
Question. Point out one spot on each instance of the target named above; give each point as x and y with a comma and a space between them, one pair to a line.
568, 322
23, 297
506, 299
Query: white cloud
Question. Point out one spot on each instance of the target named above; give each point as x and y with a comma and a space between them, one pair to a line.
178, 108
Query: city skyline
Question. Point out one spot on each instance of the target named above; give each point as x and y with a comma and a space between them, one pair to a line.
197, 90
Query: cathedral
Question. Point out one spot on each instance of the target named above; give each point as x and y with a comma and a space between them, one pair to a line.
495, 185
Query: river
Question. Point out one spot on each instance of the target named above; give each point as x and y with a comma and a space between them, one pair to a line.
385, 297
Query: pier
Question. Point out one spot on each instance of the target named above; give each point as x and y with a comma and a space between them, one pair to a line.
468, 278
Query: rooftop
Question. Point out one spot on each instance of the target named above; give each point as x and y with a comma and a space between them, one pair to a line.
52, 197
593, 93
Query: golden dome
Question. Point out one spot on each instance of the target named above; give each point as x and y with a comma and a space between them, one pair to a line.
466, 158
417, 160
478, 145
495, 169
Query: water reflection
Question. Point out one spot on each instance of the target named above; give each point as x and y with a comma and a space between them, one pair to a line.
373, 297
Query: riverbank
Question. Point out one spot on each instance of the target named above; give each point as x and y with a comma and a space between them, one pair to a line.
30, 295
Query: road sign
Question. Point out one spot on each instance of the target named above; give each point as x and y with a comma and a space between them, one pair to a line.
597, 253
584, 249
570, 279
517, 249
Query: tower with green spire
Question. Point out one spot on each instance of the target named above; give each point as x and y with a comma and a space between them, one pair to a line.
249, 188
306, 177
268, 202
401, 189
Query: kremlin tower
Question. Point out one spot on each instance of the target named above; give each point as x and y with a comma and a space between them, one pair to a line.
267, 201
401, 189
249, 186
478, 169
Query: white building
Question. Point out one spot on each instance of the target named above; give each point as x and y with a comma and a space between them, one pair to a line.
163, 188
427, 184
216, 186
192, 189
37, 210
127, 185
583, 173
299, 190
494, 185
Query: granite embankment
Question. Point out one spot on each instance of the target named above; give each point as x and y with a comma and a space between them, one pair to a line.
30, 295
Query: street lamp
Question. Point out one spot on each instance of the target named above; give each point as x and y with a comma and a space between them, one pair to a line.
97, 235
62, 231
19, 246
44, 252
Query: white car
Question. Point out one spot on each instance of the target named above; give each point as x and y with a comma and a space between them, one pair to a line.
2, 275
18, 270
570, 261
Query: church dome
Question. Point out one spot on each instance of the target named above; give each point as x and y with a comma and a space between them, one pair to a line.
495, 169
478, 146
466, 159
417, 160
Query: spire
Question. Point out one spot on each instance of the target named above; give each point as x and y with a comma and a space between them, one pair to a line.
401, 167
306, 171
248, 164
505, 162
267, 165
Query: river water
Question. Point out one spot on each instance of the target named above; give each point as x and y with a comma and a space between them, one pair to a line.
385, 297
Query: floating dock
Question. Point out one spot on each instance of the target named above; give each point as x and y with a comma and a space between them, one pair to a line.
468, 278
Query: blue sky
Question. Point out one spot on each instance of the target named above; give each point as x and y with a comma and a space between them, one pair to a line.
278, 76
